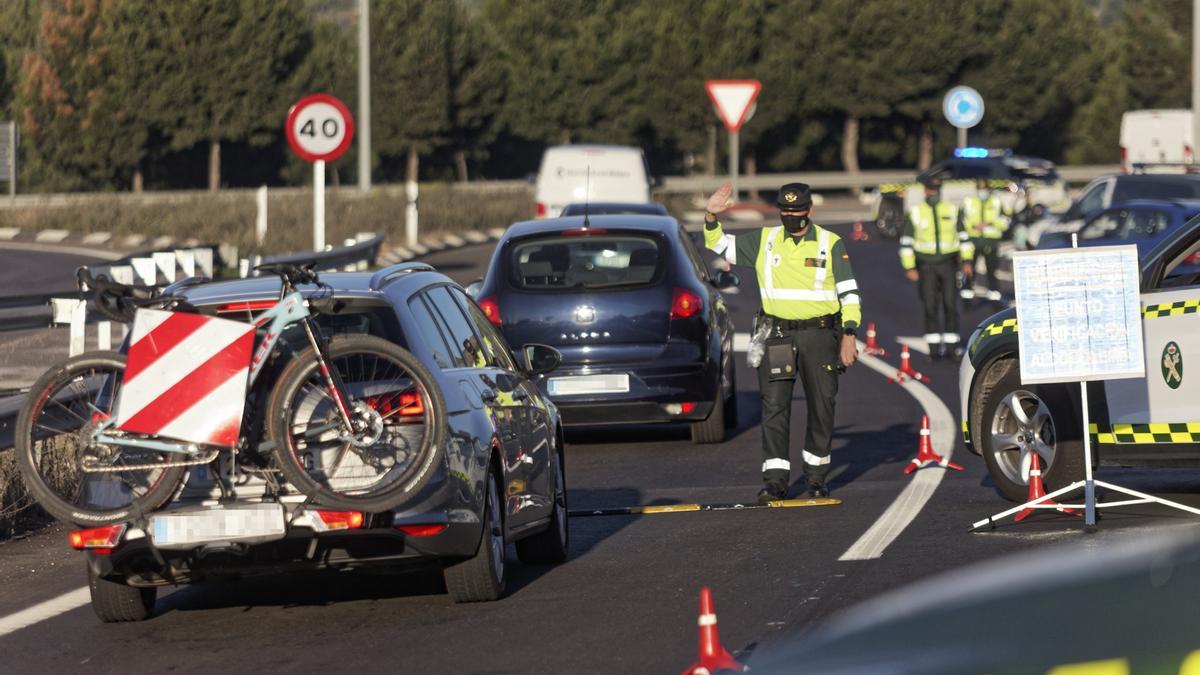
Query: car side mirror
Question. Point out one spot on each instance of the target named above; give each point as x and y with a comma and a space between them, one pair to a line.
724, 279
541, 359
474, 287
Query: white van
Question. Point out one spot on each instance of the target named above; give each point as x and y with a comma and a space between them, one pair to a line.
1162, 137
595, 173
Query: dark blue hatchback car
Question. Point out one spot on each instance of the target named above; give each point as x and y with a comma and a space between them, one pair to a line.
628, 301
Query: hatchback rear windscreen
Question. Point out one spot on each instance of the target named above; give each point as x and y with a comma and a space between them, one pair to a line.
585, 261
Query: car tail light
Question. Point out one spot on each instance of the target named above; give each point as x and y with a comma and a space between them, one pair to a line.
422, 530
252, 306
679, 408
100, 540
491, 309
1124, 160
404, 405
583, 230
341, 520
684, 304
541, 209
1193, 259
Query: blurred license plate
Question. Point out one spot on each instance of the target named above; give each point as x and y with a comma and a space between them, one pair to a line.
589, 384
251, 523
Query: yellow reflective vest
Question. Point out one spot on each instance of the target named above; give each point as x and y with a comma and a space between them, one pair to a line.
798, 277
984, 218
933, 234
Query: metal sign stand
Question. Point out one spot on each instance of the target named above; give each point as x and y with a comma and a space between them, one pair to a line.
1088, 483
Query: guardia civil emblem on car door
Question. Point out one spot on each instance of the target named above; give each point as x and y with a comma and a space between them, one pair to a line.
1172, 365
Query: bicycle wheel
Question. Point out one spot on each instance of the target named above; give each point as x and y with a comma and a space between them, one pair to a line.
398, 416
71, 476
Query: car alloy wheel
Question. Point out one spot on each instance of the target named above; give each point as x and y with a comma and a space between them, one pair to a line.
1021, 426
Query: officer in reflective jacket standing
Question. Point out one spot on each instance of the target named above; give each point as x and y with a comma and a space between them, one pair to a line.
811, 306
932, 246
984, 219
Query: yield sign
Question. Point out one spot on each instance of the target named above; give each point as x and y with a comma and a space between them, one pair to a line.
732, 99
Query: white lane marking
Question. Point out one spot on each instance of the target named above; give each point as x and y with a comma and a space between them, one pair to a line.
920, 488
51, 236
916, 344
45, 610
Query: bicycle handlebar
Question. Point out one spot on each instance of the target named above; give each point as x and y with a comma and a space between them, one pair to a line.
115, 300
292, 273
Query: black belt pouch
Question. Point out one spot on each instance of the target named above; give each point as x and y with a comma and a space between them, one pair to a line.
781, 359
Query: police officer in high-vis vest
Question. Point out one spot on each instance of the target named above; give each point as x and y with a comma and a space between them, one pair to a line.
932, 246
985, 220
811, 306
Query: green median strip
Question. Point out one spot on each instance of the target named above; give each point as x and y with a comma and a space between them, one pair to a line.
683, 508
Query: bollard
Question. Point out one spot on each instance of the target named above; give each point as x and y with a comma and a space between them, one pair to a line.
243, 268
72, 311
260, 220
410, 214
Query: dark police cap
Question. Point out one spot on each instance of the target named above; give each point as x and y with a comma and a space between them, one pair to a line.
933, 182
794, 197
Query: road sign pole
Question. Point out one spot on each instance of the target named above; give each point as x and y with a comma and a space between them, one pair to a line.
364, 96
319, 205
733, 163
962, 137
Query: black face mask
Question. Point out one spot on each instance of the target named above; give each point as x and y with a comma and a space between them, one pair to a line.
794, 224
931, 199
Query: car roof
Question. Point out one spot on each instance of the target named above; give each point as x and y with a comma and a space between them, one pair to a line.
1181, 204
625, 221
638, 207
402, 279
1158, 177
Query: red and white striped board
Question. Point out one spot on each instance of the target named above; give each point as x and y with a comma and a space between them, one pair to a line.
185, 377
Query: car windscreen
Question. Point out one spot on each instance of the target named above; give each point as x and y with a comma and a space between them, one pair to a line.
578, 261
1154, 189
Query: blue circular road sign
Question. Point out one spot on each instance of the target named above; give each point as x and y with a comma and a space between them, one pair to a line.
963, 107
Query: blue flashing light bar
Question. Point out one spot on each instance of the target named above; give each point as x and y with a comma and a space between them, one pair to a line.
971, 153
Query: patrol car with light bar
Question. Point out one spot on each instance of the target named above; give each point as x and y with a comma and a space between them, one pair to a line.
1151, 421
1020, 182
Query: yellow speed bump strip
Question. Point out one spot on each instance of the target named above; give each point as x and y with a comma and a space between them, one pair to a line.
680, 508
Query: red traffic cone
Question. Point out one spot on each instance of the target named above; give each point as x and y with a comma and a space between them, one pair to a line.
905, 371
713, 657
859, 234
925, 452
872, 347
1037, 489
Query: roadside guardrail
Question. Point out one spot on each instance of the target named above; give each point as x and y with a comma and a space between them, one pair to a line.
841, 180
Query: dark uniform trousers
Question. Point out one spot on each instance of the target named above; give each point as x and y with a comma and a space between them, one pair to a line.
989, 250
937, 282
816, 368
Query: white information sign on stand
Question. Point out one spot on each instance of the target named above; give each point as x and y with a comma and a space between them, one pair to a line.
1079, 318
1079, 314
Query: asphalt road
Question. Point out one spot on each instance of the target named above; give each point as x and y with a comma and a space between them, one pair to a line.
27, 268
626, 601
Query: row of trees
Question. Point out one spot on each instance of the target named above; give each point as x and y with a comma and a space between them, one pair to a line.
121, 94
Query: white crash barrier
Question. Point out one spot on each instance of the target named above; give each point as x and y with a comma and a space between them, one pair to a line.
160, 267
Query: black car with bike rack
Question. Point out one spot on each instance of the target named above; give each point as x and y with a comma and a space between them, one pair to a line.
391, 426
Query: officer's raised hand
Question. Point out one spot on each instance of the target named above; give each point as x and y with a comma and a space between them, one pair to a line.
719, 201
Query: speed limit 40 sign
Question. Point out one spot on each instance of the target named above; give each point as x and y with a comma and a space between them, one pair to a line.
319, 127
